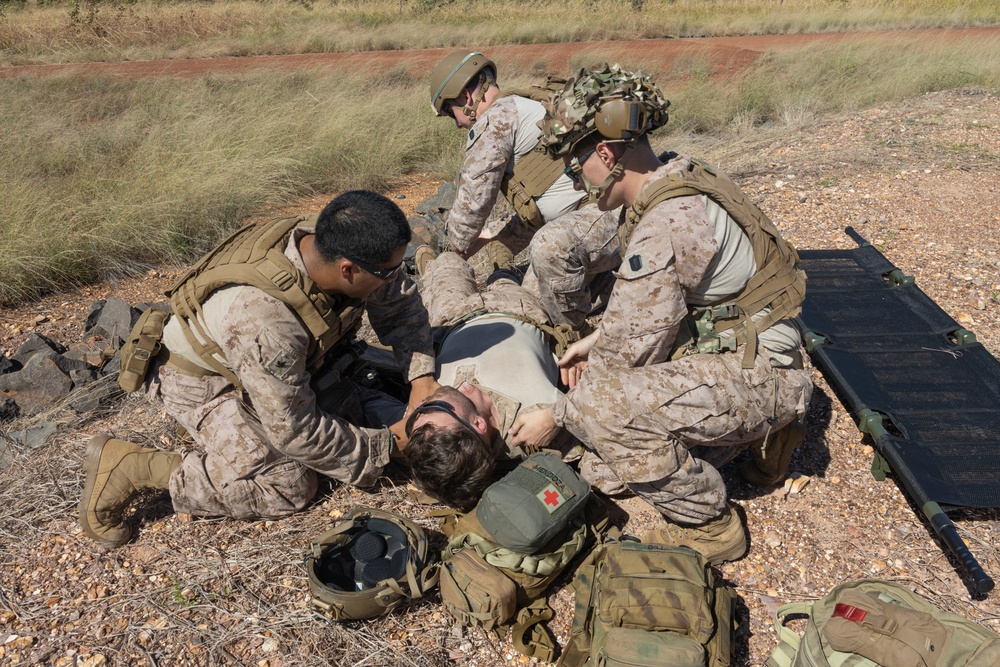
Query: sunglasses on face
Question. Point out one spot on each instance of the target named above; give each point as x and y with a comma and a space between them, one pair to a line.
576, 166
438, 406
380, 273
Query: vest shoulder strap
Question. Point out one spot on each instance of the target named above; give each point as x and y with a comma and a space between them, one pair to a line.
255, 256
778, 284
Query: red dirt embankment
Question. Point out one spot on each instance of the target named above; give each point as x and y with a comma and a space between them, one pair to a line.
724, 54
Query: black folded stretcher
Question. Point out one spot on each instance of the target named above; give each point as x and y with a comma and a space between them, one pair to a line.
918, 383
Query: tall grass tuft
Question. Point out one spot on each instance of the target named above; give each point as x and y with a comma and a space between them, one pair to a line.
108, 176
800, 85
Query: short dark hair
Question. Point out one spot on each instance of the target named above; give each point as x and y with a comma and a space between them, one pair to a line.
450, 464
363, 226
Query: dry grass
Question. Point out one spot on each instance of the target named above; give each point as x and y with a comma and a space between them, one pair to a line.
107, 176
231, 592
84, 30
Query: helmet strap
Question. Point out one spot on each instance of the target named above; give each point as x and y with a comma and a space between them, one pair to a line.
595, 192
470, 109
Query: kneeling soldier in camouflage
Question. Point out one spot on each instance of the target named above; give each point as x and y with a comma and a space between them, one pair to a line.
574, 245
252, 366
696, 357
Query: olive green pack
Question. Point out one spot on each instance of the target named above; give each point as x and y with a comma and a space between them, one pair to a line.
649, 605
369, 563
503, 555
874, 623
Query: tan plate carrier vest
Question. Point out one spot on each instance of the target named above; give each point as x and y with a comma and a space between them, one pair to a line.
779, 282
536, 171
255, 256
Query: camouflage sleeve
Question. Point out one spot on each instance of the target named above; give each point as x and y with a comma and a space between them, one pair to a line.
399, 318
267, 347
667, 255
487, 154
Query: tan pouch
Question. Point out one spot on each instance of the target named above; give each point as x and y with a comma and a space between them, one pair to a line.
475, 592
142, 346
886, 633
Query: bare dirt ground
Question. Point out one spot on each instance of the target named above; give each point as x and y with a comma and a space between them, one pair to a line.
725, 54
918, 179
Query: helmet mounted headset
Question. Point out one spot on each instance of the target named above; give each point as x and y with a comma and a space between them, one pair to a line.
618, 105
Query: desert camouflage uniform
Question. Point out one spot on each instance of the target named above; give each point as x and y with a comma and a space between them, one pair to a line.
572, 259
508, 359
262, 453
663, 427
579, 245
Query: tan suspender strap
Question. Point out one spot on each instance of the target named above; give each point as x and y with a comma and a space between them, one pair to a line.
255, 256
778, 283
533, 175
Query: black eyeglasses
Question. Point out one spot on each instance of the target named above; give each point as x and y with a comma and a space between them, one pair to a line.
380, 273
576, 166
438, 406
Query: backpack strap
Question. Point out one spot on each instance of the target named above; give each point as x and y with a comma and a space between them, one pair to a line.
577, 650
540, 644
784, 654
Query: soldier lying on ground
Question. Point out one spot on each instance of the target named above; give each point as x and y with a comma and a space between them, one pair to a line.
696, 356
494, 361
571, 258
254, 325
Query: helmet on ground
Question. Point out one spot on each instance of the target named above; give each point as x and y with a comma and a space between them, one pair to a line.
453, 74
615, 103
367, 564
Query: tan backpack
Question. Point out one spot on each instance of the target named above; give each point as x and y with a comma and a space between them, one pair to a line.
873, 623
487, 584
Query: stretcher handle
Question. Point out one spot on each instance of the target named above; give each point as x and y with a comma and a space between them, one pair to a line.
860, 240
949, 535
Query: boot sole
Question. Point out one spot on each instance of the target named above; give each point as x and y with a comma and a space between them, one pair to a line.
91, 467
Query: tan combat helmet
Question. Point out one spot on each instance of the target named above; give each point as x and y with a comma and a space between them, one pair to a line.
453, 74
617, 104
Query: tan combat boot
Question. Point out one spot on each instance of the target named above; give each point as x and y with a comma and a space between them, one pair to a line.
720, 540
769, 464
423, 256
498, 256
116, 471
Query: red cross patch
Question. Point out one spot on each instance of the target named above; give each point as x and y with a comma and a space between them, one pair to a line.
550, 498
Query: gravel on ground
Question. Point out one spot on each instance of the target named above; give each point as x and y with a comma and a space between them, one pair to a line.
918, 179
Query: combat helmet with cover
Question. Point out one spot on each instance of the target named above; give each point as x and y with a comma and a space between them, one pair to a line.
618, 105
454, 73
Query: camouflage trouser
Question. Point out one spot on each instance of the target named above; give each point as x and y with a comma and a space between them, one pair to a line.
239, 474
449, 293
662, 430
572, 258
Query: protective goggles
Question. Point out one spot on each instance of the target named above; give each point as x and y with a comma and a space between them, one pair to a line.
575, 168
380, 273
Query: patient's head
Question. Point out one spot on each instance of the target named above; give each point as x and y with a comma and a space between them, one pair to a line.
450, 450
